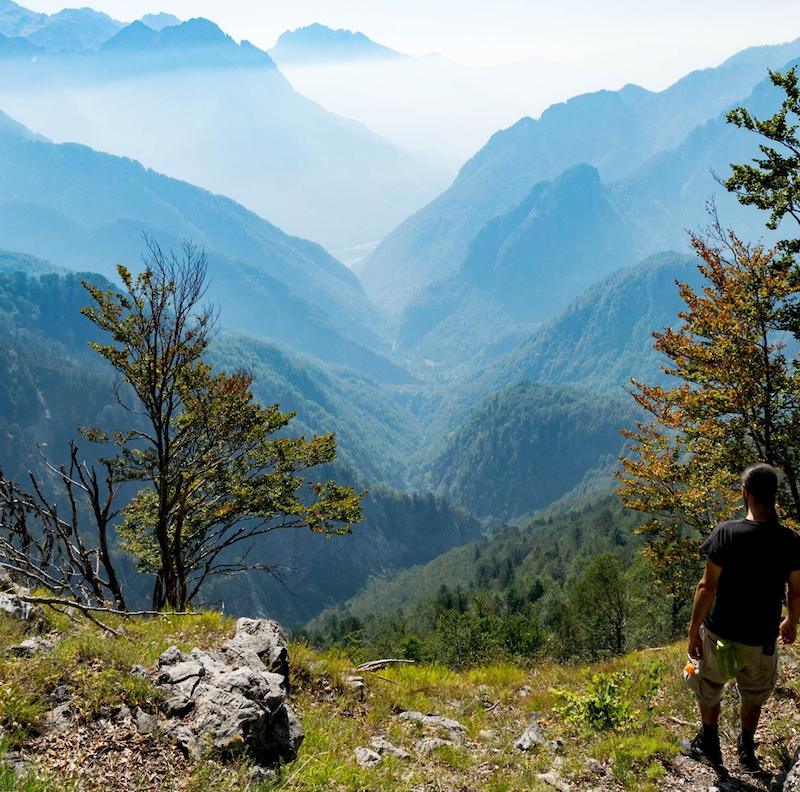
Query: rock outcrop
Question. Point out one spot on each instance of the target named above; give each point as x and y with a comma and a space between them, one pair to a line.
233, 700
10, 600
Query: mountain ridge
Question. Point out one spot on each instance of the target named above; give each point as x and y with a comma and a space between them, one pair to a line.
317, 43
615, 131
87, 209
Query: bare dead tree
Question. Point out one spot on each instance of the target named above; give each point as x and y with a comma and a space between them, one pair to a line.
64, 548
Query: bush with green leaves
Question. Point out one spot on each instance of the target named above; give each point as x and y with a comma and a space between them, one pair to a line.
612, 700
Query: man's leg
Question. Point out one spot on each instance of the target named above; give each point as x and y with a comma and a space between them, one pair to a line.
756, 675
710, 731
746, 742
710, 715
750, 715
708, 686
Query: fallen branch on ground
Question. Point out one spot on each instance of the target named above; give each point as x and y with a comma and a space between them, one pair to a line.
377, 665
97, 609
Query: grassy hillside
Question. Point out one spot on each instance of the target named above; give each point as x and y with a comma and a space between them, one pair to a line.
609, 726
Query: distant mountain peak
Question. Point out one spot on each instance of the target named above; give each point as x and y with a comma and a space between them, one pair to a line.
194, 35
18, 21
197, 31
160, 21
318, 43
69, 30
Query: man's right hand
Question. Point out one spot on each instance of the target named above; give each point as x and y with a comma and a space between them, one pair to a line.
788, 632
695, 648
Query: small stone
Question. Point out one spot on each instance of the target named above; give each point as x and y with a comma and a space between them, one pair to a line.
172, 656
261, 774
29, 647
122, 714
139, 672
186, 741
598, 768
61, 694
145, 723
531, 736
59, 718
434, 721
367, 757
180, 672
383, 746
12, 605
555, 780
175, 703
19, 764
257, 643
428, 744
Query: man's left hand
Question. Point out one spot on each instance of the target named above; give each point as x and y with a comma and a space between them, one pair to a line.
788, 632
695, 648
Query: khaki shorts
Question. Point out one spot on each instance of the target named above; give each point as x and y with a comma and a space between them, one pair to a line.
756, 673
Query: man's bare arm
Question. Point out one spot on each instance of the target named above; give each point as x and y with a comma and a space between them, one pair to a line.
789, 624
703, 597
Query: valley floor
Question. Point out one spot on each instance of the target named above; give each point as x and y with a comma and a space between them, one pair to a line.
610, 726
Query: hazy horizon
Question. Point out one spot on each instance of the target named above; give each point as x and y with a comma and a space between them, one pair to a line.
619, 42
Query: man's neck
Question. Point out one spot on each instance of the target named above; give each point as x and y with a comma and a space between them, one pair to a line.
758, 513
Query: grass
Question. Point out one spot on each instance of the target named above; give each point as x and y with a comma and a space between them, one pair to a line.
31, 782
494, 703
93, 664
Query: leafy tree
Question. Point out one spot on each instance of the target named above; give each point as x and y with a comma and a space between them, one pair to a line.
735, 400
772, 182
600, 606
216, 467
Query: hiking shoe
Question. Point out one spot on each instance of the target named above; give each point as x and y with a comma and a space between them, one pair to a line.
699, 750
747, 757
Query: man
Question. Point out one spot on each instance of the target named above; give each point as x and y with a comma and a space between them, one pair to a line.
738, 600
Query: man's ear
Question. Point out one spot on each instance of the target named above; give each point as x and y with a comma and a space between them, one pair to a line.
745, 496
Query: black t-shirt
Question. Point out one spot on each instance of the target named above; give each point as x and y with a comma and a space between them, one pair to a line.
756, 559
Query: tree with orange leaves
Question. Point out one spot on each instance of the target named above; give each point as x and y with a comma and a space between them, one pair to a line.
735, 401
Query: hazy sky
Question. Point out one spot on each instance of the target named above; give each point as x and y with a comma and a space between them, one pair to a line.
651, 43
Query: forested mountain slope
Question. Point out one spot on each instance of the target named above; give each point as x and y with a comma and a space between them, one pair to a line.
521, 270
51, 382
605, 336
601, 340
526, 446
529, 564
